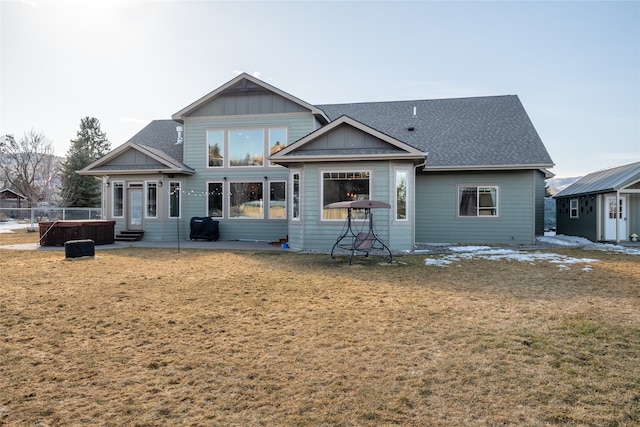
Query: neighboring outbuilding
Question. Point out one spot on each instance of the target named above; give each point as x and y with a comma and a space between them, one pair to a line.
11, 201
266, 165
602, 206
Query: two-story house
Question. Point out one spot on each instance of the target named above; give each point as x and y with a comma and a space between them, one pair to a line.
266, 165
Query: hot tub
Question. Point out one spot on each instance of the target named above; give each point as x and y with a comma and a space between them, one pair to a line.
56, 233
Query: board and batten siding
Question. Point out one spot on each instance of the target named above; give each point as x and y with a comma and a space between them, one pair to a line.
248, 104
322, 235
437, 219
196, 156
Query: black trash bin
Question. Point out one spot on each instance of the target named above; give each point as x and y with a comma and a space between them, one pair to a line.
204, 228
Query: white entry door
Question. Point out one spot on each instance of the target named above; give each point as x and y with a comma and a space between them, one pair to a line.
134, 220
615, 208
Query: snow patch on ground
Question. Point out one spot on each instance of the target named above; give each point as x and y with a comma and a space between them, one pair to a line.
11, 225
455, 254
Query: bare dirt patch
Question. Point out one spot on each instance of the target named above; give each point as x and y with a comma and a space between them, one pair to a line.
156, 337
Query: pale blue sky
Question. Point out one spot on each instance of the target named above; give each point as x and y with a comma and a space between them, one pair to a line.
575, 65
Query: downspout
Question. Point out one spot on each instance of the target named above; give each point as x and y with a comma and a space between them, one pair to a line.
413, 214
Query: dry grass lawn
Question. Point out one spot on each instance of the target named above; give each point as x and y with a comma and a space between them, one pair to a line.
156, 337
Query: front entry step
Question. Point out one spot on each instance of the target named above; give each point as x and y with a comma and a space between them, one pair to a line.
129, 236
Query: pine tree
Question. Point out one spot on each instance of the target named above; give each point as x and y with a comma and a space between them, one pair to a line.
90, 144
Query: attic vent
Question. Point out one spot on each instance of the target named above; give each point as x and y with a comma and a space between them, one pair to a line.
411, 128
180, 139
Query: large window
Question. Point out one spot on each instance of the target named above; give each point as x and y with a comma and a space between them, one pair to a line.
215, 144
118, 199
174, 199
246, 199
277, 139
401, 194
477, 201
341, 187
215, 199
277, 200
244, 147
152, 200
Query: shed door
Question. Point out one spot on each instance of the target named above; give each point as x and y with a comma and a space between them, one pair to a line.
615, 209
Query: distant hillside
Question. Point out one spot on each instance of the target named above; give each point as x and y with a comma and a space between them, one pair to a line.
558, 184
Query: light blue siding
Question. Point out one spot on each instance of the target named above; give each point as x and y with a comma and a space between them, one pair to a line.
195, 198
312, 233
437, 219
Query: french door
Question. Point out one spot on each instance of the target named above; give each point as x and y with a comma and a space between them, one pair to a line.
615, 210
134, 213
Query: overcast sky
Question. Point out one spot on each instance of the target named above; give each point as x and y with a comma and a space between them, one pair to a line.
575, 65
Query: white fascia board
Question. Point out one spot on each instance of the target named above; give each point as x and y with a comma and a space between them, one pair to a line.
354, 123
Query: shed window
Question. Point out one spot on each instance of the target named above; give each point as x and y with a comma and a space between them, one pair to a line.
573, 208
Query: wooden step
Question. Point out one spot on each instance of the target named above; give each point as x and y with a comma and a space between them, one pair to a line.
129, 236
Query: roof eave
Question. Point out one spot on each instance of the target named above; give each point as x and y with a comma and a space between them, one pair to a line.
137, 172
541, 167
350, 158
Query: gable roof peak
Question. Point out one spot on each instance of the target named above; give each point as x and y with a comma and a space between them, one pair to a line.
240, 84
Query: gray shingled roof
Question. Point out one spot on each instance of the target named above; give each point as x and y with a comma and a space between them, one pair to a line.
161, 135
603, 181
460, 132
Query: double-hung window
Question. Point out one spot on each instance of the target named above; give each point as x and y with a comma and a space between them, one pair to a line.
480, 201
573, 208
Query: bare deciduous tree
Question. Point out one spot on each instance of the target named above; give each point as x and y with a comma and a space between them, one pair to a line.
30, 167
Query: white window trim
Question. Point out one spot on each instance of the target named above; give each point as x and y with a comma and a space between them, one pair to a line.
395, 194
180, 199
321, 179
291, 199
571, 209
206, 190
481, 217
146, 198
268, 138
228, 201
224, 148
113, 199
226, 156
268, 191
